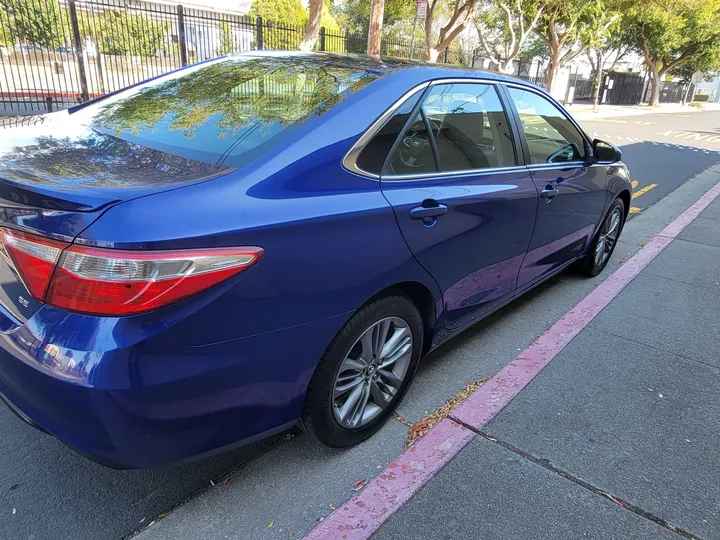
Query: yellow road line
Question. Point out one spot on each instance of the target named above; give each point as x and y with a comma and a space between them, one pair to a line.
635, 210
634, 183
643, 191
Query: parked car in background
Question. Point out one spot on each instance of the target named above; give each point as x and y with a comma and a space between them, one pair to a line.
269, 239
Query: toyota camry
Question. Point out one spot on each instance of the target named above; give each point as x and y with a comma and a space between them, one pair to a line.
270, 239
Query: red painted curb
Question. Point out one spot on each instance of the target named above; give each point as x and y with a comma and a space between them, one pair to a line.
360, 517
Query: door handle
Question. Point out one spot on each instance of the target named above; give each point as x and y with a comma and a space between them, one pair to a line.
424, 212
548, 193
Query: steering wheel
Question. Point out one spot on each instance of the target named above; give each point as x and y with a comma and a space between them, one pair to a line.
412, 150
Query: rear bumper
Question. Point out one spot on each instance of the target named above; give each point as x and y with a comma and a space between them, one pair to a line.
149, 402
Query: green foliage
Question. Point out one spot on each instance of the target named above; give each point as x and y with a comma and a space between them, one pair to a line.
226, 41
5, 36
286, 20
33, 22
283, 11
670, 32
124, 33
121, 32
328, 20
354, 15
534, 48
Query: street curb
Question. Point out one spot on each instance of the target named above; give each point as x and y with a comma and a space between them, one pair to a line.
360, 516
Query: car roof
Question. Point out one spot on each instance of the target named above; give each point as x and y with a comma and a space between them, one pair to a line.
392, 65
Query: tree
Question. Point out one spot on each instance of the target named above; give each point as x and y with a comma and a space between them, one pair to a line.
315, 9
121, 32
320, 14
461, 14
377, 8
284, 11
569, 27
354, 16
35, 22
671, 32
283, 18
503, 28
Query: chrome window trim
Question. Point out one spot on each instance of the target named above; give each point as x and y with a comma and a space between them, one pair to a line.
484, 170
349, 162
350, 159
558, 165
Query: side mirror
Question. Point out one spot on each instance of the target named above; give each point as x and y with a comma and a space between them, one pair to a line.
606, 153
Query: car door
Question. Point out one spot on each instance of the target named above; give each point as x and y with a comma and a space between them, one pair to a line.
465, 205
572, 191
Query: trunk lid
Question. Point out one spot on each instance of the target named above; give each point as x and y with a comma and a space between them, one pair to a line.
57, 176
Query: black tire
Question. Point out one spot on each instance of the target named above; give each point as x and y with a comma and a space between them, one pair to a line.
318, 419
589, 265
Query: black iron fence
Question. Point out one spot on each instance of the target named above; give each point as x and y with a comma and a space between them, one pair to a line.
56, 53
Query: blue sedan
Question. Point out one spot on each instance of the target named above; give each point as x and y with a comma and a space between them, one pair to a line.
272, 239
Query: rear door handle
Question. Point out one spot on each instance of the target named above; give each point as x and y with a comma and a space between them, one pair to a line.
423, 212
548, 193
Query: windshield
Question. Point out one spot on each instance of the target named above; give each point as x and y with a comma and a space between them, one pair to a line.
236, 106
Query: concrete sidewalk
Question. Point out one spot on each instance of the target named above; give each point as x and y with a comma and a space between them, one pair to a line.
618, 437
585, 111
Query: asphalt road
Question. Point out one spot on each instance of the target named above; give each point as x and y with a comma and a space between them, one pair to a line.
661, 150
49, 492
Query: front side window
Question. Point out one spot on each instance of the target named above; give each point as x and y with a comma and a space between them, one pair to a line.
551, 136
463, 124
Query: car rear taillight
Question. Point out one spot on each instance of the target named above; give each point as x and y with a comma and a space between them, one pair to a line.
33, 257
112, 282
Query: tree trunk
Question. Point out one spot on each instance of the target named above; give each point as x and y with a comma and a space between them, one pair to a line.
598, 80
654, 85
313, 25
377, 9
433, 54
551, 71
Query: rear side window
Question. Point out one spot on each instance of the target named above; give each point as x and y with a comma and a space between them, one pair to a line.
233, 109
373, 156
470, 127
468, 131
551, 136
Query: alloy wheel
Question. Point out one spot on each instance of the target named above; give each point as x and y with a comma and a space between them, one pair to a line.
372, 373
609, 233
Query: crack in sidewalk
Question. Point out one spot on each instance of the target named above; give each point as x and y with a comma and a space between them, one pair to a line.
545, 464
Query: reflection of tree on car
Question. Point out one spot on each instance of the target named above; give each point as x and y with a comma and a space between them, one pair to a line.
244, 99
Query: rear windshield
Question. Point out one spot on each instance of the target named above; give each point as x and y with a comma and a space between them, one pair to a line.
237, 106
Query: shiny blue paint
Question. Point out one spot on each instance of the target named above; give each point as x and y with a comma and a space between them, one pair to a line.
565, 226
474, 252
232, 364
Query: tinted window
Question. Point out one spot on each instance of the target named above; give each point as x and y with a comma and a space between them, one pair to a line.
470, 127
551, 136
373, 156
235, 107
413, 153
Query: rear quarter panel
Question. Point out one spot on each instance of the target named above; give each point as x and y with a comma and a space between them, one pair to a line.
330, 237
